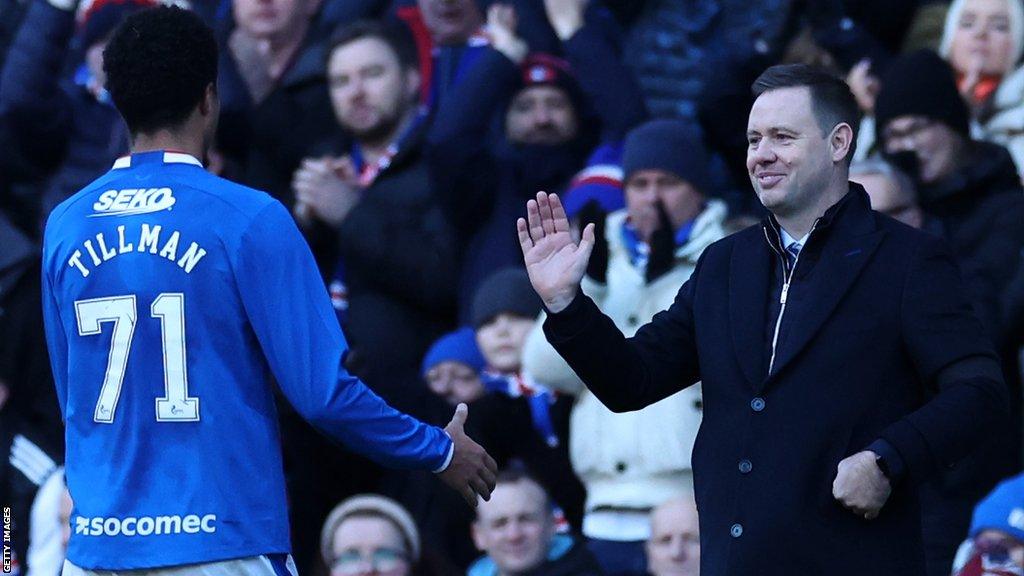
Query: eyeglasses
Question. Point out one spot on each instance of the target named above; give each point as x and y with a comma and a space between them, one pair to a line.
380, 560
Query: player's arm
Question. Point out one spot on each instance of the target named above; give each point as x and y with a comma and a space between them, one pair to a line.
291, 315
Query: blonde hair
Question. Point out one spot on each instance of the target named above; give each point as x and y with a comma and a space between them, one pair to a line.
1016, 11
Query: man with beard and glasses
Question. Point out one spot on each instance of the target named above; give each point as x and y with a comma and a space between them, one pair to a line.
490, 164
971, 190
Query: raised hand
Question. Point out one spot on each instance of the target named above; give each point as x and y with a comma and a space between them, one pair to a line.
555, 263
472, 472
565, 16
501, 25
861, 486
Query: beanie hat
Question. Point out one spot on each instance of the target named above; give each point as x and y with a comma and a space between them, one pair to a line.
541, 69
921, 84
1002, 509
601, 180
370, 504
457, 346
669, 145
103, 16
507, 291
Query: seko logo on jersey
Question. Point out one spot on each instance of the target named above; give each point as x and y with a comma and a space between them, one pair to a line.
133, 201
146, 525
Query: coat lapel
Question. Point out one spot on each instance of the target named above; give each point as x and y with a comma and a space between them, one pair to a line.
842, 259
749, 278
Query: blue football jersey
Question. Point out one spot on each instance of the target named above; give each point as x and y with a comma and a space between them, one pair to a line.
171, 298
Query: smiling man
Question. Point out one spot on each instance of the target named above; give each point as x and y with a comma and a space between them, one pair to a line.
818, 336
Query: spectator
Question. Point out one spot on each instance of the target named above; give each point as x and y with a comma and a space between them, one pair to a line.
544, 136
73, 115
891, 191
983, 40
972, 190
450, 38
274, 100
674, 546
516, 532
452, 367
370, 208
995, 544
632, 462
520, 418
396, 254
370, 534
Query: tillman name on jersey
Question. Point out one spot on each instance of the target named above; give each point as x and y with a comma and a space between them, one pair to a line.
131, 240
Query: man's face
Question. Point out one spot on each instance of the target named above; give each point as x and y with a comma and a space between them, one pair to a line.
541, 115
515, 527
501, 341
674, 546
451, 22
982, 38
646, 188
370, 91
789, 158
935, 145
887, 198
273, 20
455, 382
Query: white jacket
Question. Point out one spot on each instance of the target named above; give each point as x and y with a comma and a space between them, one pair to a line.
1005, 123
637, 459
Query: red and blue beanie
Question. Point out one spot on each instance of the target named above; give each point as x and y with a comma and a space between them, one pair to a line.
103, 16
541, 69
601, 180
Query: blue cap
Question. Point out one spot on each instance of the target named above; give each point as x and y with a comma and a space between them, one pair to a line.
457, 346
1002, 509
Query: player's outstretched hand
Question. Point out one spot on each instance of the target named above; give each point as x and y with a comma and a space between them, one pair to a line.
472, 472
555, 263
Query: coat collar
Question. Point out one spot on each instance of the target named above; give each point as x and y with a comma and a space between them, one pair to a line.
842, 242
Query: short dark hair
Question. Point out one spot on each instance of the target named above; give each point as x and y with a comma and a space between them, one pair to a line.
831, 99
397, 36
159, 63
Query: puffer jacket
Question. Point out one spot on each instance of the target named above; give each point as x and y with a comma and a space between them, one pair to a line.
636, 459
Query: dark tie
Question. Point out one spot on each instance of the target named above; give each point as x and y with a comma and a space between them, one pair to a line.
792, 251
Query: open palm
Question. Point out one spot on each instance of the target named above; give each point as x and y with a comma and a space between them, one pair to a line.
555, 263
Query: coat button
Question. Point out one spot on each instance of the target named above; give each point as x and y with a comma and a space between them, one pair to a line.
633, 320
736, 531
757, 404
746, 466
620, 467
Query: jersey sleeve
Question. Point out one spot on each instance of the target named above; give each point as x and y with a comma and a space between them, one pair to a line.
289, 310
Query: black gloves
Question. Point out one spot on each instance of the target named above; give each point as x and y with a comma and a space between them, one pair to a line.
597, 267
663, 247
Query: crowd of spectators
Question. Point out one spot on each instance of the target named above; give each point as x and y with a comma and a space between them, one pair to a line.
406, 136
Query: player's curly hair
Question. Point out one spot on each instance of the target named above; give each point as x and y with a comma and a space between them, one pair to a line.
158, 64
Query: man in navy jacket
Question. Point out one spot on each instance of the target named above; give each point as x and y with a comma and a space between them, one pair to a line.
840, 360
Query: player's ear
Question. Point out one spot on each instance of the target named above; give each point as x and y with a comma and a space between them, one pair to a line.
208, 105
